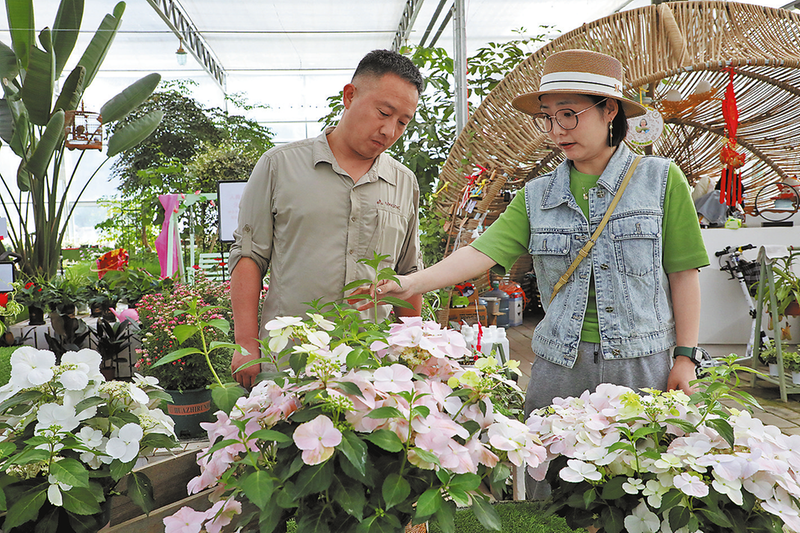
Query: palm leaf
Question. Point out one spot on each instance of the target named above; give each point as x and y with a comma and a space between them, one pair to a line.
96, 52
66, 28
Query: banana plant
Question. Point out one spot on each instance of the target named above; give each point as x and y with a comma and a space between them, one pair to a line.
32, 120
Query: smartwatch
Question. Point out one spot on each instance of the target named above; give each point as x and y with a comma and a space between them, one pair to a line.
696, 354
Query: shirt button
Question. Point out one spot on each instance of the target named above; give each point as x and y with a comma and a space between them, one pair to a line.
604, 267
350, 252
352, 219
609, 309
615, 352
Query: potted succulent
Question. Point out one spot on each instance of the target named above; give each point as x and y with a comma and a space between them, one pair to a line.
68, 439
162, 318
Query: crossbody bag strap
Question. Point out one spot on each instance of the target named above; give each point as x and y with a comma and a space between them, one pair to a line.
584, 251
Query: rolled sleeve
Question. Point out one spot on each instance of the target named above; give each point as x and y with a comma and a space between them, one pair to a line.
253, 236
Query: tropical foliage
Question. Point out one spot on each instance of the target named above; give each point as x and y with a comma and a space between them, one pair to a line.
32, 122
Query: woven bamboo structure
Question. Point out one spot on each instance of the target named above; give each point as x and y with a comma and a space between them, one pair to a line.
680, 44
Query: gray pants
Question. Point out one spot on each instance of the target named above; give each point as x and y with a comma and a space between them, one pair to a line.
549, 380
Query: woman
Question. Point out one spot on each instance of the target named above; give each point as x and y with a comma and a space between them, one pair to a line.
636, 294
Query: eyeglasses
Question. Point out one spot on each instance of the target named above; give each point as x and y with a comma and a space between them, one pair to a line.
566, 118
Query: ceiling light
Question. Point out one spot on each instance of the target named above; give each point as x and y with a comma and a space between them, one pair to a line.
181, 54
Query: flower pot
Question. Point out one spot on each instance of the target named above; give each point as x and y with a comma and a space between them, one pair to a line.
773, 370
796, 378
188, 409
793, 309
35, 315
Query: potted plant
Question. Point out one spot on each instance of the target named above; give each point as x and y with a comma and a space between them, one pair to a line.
69, 437
162, 316
791, 363
133, 283
37, 295
787, 287
619, 460
112, 338
69, 293
769, 356
101, 299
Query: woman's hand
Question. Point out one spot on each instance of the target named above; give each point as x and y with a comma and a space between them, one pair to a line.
683, 371
384, 288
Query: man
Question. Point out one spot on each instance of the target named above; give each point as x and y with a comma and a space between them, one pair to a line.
313, 208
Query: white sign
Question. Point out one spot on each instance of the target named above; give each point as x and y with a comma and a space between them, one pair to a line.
645, 129
229, 194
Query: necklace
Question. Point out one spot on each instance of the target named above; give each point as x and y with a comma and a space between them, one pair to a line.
585, 193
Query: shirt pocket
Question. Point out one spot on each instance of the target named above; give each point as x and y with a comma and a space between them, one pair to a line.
389, 234
636, 244
550, 253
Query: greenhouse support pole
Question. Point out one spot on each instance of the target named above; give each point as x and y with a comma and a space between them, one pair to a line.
460, 66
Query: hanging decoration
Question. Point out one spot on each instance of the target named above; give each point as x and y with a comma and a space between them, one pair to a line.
731, 190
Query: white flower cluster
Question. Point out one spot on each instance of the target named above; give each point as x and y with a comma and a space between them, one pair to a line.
56, 416
762, 461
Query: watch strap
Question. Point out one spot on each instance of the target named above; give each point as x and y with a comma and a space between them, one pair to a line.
690, 352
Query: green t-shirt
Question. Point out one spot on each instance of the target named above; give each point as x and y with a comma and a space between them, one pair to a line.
506, 239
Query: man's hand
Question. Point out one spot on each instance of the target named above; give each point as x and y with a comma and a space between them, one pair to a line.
683, 371
246, 377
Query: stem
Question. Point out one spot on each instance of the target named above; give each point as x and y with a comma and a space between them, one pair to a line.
205, 347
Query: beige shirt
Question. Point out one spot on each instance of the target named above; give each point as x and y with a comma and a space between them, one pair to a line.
302, 216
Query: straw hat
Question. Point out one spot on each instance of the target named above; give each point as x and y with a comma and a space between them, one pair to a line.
580, 72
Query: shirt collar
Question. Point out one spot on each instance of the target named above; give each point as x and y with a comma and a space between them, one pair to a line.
381, 167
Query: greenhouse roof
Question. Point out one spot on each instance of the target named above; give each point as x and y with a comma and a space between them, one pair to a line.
292, 54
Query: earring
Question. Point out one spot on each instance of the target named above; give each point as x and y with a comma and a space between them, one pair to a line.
611, 133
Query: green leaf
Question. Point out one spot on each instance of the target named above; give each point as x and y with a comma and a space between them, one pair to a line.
8, 63
724, 428
184, 331
70, 472
395, 490
426, 456
716, 516
119, 470
348, 387
683, 424
140, 491
429, 502
385, 412
29, 455
134, 132
96, 52
397, 302
88, 403
385, 439
129, 99
446, 516
351, 498
80, 501
678, 517
612, 490
213, 345
26, 508
37, 89
158, 440
221, 324
672, 498
356, 284
354, 450
459, 496
65, 31
174, 356
21, 25
314, 480
53, 136
47, 523
271, 435
28, 397
613, 519
258, 487
467, 482
589, 497
226, 395
486, 514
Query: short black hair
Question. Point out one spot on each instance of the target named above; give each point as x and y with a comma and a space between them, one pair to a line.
380, 62
620, 122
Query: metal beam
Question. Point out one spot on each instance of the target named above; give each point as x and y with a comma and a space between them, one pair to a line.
175, 16
460, 64
792, 5
406, 23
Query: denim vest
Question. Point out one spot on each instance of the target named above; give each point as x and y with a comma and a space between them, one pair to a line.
633, 300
